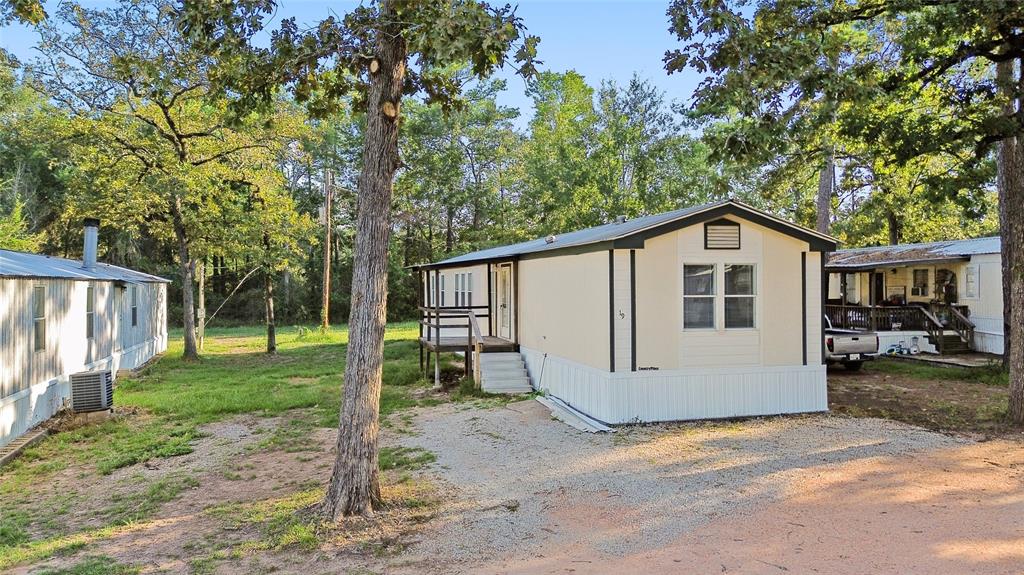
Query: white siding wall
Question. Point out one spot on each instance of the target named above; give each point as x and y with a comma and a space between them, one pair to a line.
671, 395
987, 306
33, 384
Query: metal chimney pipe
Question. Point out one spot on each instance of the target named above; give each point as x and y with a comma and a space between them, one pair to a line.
92, 231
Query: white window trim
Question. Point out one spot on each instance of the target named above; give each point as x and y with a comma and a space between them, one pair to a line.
90, 316
972, 270
754, 296
719, 296
713, 297
36, 318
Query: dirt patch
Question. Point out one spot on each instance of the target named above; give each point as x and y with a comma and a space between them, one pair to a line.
947, 405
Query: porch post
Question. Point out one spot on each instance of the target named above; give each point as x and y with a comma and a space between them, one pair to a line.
490, 328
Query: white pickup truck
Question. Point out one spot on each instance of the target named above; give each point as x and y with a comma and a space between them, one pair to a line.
848, 347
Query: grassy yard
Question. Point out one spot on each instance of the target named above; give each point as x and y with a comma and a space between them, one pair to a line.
101, 481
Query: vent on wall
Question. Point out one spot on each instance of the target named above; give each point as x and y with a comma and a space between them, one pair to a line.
722, 235
92, 391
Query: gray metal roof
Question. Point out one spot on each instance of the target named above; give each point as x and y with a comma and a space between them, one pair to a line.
24, 265
602, 233
913, 253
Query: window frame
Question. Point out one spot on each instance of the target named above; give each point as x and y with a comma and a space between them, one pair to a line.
90, 311
920, 290
752, 296
134, 301
38, 301
713, 296
972, 279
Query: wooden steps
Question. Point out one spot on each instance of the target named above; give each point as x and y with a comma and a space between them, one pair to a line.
951, 343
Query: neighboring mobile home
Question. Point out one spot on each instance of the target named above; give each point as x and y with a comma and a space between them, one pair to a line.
947, 296
706, 312
59, 317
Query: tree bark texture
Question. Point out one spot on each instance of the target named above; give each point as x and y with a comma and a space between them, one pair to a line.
824, 200
325, 307
354, 487
188, 308
268, 295
1010, 181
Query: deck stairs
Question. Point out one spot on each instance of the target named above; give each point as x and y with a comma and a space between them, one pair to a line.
951, 342
504, 373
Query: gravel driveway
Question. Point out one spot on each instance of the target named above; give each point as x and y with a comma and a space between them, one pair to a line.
536, 496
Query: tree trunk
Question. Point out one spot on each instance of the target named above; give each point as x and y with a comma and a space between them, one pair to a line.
894, 227
188, 308
325, 304
1011, 205
268, 295
201, 306
825, 192
354, 488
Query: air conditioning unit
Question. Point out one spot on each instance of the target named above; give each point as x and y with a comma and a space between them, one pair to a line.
92, 391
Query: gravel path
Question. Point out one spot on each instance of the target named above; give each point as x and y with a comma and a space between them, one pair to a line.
527, 484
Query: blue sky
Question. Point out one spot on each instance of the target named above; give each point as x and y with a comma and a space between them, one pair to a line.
601, 39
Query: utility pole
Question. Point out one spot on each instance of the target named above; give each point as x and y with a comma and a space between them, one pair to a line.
325, 320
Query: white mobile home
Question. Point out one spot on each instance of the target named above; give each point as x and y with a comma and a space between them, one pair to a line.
947, 296
59, 317
706, 312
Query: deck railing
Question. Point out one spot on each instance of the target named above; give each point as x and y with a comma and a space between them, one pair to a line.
437, 318
934, 319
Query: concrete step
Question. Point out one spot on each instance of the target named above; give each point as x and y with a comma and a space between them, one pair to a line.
504, 372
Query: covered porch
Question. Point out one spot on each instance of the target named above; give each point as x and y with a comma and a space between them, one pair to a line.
458, 315
902, 301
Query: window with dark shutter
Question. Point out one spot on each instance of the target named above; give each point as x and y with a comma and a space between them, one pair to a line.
722, 235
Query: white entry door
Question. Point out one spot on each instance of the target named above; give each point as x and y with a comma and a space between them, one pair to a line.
505, 302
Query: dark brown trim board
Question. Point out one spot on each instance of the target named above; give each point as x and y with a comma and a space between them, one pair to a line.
632, 309
515, 299
611, 310
490, 311
803, 300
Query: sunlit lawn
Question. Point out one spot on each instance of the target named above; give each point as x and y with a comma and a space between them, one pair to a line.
165, 406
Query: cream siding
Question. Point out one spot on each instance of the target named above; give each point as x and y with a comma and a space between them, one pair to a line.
662, 342
33, 383
564, 307
622, 313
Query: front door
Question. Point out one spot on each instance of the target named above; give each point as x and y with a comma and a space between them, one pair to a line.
505, 301
877, 288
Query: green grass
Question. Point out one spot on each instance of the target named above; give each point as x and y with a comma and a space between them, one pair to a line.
993, 375
163, 409
94, 566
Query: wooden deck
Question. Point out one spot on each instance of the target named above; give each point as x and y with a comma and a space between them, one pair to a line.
491, 344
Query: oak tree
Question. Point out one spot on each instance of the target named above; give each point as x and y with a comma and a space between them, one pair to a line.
378, 53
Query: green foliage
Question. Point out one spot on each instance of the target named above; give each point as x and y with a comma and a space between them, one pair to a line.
14, 234
901, 90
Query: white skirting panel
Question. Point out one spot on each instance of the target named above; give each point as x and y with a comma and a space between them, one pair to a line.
30, 407
988, 342
699, 393
888, 338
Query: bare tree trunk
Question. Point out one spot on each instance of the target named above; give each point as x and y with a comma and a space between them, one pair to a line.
1011, 205
201, 307
325, 308
188, 308
354, 488
268, 295
824, 201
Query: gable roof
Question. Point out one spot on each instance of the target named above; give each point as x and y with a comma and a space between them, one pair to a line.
902, 254
631, 234
25, 265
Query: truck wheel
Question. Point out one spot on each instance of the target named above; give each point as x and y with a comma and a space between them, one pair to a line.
853, 365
